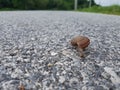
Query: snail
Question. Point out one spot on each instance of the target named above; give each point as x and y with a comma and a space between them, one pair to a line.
81, 42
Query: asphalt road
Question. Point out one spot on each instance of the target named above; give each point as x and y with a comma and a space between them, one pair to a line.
35, 51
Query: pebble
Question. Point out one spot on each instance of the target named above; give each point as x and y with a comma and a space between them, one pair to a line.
61, 79
50, 65
114, 77
106, 75
53, 53
26, 60
17, 73
84, 88
73, 80
13, 52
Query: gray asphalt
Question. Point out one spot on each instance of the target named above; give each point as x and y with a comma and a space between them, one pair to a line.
35, 51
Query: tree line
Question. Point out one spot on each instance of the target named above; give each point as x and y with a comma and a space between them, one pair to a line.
43, 4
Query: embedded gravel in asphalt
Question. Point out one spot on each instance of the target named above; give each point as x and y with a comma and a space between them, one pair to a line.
35, 51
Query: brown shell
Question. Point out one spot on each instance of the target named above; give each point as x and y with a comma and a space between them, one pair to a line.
80, 41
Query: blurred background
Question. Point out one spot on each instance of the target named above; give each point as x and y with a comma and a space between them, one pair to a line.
102, 6
43, 4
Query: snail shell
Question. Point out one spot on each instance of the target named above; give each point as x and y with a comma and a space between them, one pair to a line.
80, 41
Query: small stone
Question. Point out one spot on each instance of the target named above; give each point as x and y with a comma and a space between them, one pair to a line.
106, 75
33, 39
13, 52
85, 77
27, 60
64, 72
27, 75
84, 88
29, 85
53, 53
118, 52
73, 80
50, 65
61, 79
58, 63
114, 77
99, 88
16, 73
91, 88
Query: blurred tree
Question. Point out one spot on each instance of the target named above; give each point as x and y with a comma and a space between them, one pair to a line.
43, 4
93, 3
5, 3
83, 3
61, 4
23, 4
19, 4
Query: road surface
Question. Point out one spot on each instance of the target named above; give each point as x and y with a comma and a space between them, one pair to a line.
35, 51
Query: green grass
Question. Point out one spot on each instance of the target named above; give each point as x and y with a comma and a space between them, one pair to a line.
115, 9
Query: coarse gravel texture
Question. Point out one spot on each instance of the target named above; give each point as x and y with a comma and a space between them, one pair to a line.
35, 51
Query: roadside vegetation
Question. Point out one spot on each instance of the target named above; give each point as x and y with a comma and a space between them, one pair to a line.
114, 9
83, 5
42, 4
